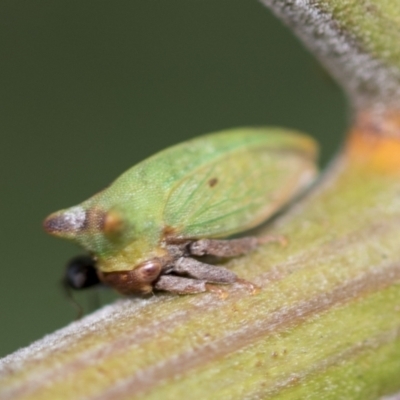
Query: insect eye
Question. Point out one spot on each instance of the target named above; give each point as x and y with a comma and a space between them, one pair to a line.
112, 224
81, 273
148, 271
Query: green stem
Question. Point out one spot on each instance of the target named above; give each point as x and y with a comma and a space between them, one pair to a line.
356, 40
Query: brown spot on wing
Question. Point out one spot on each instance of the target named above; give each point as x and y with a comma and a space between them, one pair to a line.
212, 182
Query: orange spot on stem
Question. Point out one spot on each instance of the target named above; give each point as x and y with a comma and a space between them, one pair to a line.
375, 141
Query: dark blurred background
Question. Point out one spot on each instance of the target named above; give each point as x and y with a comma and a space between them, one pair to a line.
89, 88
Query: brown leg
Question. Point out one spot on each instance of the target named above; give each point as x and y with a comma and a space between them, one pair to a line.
230, 247
205, 272
201, 278
180, 285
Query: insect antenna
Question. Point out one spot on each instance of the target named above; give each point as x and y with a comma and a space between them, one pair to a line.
94, 299
66, 288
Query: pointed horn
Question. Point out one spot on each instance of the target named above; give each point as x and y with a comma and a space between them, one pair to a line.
65, 223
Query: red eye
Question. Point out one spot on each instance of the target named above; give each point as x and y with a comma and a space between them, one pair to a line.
138, 280
148, 271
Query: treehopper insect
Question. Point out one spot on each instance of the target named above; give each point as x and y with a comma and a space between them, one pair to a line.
151, 227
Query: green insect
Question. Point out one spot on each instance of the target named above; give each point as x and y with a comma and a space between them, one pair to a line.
150, 227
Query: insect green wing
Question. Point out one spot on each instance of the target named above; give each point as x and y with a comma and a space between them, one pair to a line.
211, 186
239, 187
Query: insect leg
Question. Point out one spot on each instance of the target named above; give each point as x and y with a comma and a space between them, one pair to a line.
180, 285
230, 247
205, 272
223, 248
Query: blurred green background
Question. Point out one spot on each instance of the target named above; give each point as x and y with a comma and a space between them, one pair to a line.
89, 88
